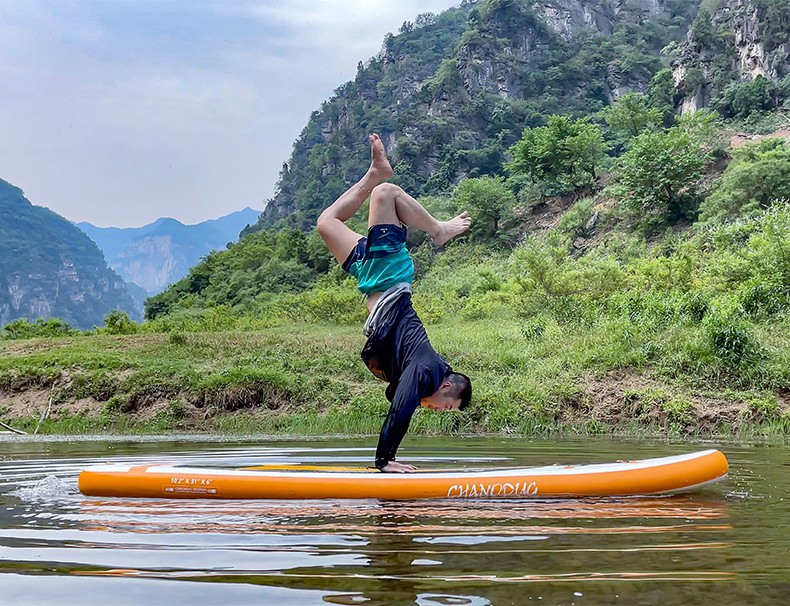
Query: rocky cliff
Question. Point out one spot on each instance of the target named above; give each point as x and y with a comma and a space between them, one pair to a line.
49, 268
451, 92
732, 41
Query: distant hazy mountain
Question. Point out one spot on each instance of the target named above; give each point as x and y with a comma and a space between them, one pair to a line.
50, 269
162, 252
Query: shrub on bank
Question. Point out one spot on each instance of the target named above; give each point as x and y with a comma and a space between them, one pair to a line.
732, 340
757, 178
23, 328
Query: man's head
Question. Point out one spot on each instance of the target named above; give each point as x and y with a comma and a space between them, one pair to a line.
454, 393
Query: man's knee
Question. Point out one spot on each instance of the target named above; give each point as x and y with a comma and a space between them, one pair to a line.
325, 223
384, 193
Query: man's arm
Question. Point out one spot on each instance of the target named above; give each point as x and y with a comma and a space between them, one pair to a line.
404, 403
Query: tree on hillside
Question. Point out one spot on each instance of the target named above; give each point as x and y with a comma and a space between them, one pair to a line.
661, 95
318, 255
660, 172
563, 156
291, 244
488, 201
741, 99
631, 114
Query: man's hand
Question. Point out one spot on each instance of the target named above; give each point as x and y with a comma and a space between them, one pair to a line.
395, 467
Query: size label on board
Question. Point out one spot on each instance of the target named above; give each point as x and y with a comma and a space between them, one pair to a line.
187, 485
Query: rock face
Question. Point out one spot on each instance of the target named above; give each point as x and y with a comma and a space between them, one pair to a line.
567, 17
450, 96
740, 40
498, 60
49, 268
156, 255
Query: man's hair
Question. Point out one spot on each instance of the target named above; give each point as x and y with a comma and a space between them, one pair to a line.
462, 388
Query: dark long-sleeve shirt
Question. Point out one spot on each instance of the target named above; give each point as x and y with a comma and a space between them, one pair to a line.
399, 352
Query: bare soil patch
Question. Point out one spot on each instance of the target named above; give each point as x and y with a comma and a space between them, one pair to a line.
545, 214
741, 139
27, 403
621, 397
32, 403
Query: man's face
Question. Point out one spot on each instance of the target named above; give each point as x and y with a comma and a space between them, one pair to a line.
440, 402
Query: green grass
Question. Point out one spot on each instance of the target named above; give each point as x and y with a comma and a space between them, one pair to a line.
580, 378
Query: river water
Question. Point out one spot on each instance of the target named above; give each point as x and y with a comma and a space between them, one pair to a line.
727, 544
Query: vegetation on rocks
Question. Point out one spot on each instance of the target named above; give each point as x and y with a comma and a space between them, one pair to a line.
49, 268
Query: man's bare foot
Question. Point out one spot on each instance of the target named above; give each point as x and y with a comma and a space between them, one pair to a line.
395, 467
379, 165
452, 228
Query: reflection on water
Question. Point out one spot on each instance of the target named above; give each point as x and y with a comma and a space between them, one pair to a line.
59, 547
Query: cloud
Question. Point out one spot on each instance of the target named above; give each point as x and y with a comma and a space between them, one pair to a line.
337, 23
121, 111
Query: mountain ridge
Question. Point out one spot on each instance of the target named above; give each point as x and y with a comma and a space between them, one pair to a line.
161, 252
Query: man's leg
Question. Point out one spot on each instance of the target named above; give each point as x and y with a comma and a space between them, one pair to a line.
390, 204
339, 238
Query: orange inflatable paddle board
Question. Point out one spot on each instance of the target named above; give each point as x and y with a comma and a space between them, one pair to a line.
650, 476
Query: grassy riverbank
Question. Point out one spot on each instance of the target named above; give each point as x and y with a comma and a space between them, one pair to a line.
530, 378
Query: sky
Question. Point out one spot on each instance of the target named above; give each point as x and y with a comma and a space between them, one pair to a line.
118, 112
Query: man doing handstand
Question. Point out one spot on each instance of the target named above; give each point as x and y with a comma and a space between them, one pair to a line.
397, 349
